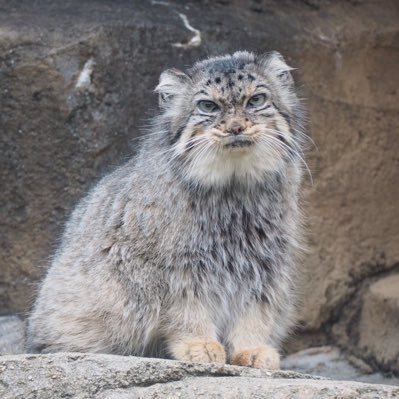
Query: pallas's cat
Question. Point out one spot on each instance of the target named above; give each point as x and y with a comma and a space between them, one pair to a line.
188, 251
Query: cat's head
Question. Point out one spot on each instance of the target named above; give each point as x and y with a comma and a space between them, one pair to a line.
231, 117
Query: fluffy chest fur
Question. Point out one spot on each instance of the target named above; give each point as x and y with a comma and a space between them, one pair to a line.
232, 243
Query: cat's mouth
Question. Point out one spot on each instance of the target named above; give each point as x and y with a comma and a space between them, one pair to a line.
237, 141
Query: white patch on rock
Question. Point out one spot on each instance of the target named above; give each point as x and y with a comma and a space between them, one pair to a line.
160, 3
84, 79
195, 41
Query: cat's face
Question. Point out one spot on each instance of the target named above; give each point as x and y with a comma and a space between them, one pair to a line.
229, 117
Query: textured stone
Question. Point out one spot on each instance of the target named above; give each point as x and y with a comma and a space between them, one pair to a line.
325, 361
77, 376
379, 322
328, 361
75, 84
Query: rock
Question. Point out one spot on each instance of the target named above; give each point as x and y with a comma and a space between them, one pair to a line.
379, 322
75, 84
325, 361
80, 376
331, 362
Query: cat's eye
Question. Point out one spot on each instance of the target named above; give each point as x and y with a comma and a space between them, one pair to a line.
256, 101
207, 106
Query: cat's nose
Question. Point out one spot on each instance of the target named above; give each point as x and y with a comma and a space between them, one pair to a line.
235, 127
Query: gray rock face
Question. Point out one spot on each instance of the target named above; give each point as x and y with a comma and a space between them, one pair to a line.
77, 376
75, 87
332, 363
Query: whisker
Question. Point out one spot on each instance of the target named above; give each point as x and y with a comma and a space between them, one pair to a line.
200, 152
286, 136
287, 149
270, 146
301, 133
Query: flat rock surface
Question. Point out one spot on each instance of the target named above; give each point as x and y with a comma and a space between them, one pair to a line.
79, 376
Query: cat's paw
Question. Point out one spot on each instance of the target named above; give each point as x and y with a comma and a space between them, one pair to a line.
200, 351
261, 357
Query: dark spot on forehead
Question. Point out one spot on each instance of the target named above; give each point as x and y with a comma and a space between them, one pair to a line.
240, 77
217, 80
208, 82
231, 83
250, 77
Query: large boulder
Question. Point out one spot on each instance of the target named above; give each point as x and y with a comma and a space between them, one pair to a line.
78, 376
76, 81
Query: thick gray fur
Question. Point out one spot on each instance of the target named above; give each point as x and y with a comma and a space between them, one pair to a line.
167, 249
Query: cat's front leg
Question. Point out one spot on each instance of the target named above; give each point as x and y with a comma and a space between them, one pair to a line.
191, 335
250, 340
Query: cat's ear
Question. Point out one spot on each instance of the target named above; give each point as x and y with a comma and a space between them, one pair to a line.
273, 63
170, 84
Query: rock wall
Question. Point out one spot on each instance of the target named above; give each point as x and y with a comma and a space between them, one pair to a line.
76, 81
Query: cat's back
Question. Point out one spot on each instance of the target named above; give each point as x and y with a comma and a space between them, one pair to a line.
116, 200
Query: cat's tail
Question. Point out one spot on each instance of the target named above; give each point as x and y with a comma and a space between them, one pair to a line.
12, 335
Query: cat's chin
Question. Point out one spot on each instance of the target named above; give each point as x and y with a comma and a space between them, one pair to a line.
237, 142
237, 149
241, 164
